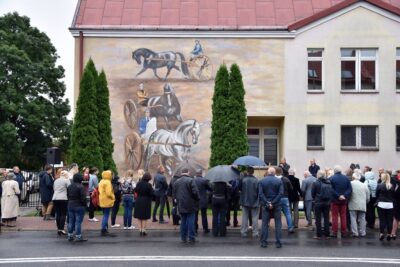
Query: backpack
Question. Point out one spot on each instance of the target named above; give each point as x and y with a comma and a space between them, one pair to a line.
325, 192
126, 188
95, 197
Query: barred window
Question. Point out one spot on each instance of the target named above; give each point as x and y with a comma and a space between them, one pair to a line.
315, 137
359, 137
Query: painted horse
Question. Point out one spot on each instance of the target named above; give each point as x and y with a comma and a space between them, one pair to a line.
172, 144
155, 60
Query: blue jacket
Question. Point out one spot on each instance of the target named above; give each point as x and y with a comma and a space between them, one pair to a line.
271, 190
20, 179
46, 187
341, 186
313, 169
160, 185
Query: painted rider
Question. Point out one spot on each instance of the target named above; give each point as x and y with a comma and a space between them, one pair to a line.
197, 50
143, 122
141, 93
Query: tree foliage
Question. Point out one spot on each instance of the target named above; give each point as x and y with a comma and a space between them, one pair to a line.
229, 119
33, 111
85, 148
104, 123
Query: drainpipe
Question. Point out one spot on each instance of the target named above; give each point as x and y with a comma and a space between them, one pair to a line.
80, 54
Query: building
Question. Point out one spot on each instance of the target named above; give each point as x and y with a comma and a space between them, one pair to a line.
322, 77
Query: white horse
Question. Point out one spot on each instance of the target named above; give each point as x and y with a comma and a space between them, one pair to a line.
172, 144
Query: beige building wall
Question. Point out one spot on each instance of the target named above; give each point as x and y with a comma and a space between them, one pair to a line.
359, 28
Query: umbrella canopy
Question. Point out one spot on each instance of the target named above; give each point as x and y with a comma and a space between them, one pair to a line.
249, 161
190, 164
222, 173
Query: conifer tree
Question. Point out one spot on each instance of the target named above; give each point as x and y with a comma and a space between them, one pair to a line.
85, 149
104, 123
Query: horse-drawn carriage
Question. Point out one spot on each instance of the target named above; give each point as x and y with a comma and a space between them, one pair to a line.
197, 68
168, 144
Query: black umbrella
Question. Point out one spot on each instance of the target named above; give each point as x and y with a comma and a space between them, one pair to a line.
249, 161
192, 165
222, 173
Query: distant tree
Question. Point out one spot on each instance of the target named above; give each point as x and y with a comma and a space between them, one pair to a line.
220, 124
33, 111
237, 115
104, 123
85, 147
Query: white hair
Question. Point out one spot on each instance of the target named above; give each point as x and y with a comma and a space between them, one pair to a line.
337, 169
292, 171
356, 176
321, 174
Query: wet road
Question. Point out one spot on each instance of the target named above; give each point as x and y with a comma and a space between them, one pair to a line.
164, 249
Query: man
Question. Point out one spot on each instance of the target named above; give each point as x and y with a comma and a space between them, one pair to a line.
313, 168
270, 192
358, 206
322, 194
372, 184
18, 177
197, 50
294, 197
287, 187
341, 193
306, 188
175, 216
204, 186
160, 192
143, 122
233, 203
186, 194
285, 167
46, 192
249, 200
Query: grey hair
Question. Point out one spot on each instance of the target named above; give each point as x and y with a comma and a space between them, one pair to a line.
10, 176
292, 171
337, 169
321, 174
356, 176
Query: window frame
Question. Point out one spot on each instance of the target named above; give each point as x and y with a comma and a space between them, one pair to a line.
359, 146
395, 69
397, 137
261, 136
319, 59
358, 59
322, 147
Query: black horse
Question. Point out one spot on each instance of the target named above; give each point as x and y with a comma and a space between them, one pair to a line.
166, 105
156, 60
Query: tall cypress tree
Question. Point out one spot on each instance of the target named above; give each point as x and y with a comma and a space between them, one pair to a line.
85, 149
104, 123
219, 124
237, 116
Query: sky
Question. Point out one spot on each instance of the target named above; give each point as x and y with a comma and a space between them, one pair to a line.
53, 17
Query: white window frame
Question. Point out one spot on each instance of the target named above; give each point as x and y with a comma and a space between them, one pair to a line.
322, 69
397, 59
397, 147
358, 60
358, 138
322, 146
261, 136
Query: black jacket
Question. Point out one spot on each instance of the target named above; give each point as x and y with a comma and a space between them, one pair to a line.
76, 193
46, 187
221, 190
186, 193
295, 194
203, 185
383, 194
316, 191
287, 187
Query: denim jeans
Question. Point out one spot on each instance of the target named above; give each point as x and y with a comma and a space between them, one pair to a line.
294, 206
128, 207
286, 212
75, 218
104, 221
265, 224
187, 226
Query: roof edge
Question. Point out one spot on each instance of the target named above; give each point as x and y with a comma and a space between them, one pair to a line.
179, 28
78, 6
336, 8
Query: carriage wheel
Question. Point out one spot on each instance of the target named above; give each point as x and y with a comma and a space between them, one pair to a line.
130, 112
201, 68
133, 150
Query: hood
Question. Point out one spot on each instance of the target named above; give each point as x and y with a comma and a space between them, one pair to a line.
106, 175
369, 176
78, 178
324, 180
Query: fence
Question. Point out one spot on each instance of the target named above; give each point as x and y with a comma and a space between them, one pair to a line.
30, 196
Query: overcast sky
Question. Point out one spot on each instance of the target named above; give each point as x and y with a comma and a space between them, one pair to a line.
53, 17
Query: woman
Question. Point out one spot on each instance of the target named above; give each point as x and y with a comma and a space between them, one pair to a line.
76, 208
93, 183
106, 198
127, 189
220, 199
396, 208
60, 200
384, 195
9, 200
145, 194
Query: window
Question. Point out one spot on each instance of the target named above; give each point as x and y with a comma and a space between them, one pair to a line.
358, 71
398, 68
315, 137
359, 137
263, 143
398, 137
314, 69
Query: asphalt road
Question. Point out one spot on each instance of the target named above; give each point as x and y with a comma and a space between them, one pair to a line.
44, 248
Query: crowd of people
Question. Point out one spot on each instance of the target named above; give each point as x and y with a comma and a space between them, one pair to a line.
335, 201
